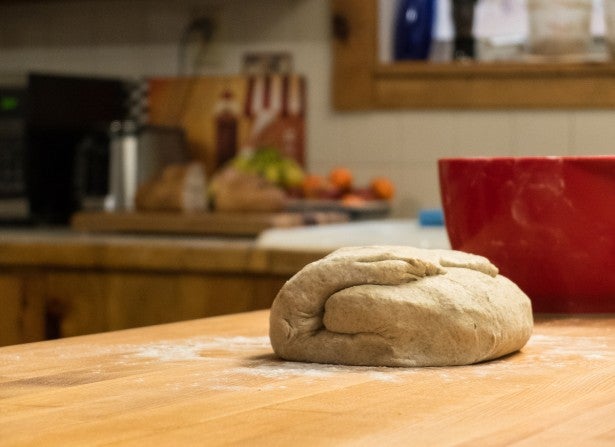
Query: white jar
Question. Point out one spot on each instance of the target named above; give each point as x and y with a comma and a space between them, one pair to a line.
559, 27
609, 20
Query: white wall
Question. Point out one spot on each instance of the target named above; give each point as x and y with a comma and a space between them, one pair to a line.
140, 38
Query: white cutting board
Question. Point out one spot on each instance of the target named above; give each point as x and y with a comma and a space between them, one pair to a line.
372, 232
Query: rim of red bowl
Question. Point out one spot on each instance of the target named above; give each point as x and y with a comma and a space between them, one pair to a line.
531, 158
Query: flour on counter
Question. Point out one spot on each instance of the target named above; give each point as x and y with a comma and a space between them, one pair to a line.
283, 370
560, 347
191, 349
200, 349
553, 352
240, 357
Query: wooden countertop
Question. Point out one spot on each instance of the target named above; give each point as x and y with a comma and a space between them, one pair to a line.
216, 382
62, 248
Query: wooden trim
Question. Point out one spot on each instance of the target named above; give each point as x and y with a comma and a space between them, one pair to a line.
496, 69
360, 83
354, 50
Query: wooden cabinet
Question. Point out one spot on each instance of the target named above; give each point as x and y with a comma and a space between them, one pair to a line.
88, 302
22, 308
53, 288
61, 303
359, 81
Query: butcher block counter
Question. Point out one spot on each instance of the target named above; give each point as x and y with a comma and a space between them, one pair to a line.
216, 381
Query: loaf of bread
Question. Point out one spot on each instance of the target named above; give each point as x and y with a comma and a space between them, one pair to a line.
179, 187
235, 191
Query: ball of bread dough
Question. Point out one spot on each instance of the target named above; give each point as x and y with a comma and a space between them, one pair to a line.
399, 306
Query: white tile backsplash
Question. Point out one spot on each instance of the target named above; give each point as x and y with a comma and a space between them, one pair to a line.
427, 136
141, 38
482, 133
593, 133
542, 133
417, 188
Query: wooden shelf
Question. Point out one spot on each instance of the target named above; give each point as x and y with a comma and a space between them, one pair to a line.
360, 82
496, 69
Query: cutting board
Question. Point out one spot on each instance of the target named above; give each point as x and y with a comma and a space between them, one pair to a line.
205, 223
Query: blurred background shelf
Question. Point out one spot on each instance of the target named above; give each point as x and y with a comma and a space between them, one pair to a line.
360, 81
205, 223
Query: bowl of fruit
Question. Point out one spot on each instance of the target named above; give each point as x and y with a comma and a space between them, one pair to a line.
338, 190
265, 179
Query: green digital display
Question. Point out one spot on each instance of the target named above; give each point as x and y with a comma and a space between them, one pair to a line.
8, 103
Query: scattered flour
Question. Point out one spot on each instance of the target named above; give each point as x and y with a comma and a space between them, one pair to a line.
282, 370
553, 352
191, 349
253, 358
564, 349
266, 387
201, 349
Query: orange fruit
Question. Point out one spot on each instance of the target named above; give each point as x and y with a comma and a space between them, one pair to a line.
312, 186
383, 188
341, 178
353, 200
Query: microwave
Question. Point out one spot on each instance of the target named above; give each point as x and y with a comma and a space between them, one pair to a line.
54, 143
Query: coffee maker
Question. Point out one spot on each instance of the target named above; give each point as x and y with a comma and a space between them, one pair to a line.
54, 143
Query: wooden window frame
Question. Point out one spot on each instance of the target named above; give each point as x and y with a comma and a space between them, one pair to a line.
360, 82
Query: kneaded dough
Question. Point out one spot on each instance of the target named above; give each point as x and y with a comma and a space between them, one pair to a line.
399, 306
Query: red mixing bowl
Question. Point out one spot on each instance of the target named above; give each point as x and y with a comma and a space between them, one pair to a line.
548, 224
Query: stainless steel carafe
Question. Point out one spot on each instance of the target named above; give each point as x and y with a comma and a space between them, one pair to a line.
137, 154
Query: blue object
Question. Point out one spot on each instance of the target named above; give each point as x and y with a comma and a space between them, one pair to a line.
431, 218
414, 24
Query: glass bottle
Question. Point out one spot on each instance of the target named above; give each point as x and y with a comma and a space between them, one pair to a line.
414, 23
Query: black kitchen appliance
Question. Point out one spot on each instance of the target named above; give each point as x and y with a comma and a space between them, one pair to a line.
54, 143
